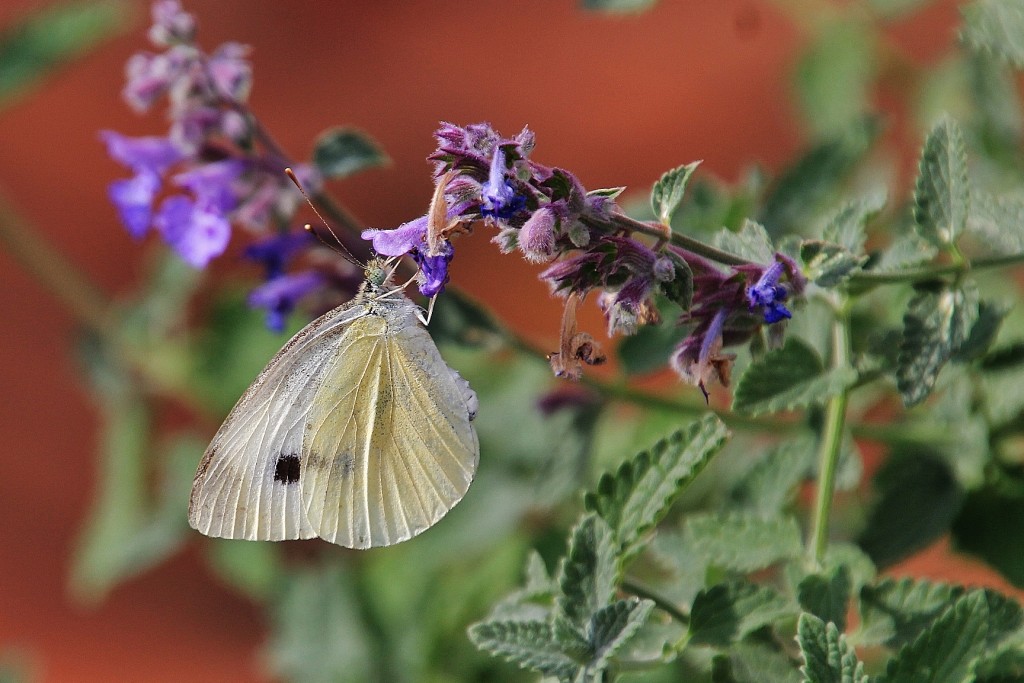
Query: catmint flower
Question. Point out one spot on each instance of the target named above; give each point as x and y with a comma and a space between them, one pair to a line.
498, 198
701, 363
766, 294
149, 157
537, 236
280, 295
171, 24
197, 232
433, 269
230, 72
275, 252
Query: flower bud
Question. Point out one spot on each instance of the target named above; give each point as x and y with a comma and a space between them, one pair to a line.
537, 236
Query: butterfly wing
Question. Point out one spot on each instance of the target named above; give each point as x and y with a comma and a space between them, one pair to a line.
389, 442
247, 482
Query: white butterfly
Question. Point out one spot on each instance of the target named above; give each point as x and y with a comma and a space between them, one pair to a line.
357, 432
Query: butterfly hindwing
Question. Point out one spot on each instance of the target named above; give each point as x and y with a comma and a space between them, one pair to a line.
247, 485
390, 448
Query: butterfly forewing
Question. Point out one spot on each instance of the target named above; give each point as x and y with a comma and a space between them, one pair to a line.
247, 485
389, 441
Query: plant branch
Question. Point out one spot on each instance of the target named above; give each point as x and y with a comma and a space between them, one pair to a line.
664, 604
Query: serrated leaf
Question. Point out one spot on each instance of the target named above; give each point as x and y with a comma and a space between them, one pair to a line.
942, 193
996, 221
42, 41
788, 378
827, 264
946, 650
828, 658
904, 251
935, 325
917, 498
637, 496
611, 627
996, 27
833, 75
668, 191
748, 662
751, 242
742, 542
528, 644
726, 612
895, 612
846, 227
617, 6
590, 570
340, 152
826, 596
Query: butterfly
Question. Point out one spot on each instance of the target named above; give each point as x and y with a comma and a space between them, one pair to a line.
357, 432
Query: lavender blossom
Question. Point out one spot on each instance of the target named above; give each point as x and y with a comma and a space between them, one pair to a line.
768, 295
280, 295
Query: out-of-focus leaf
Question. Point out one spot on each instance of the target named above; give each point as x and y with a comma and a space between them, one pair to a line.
618, 6
828, 658
995, 96
917, 498
996, 222
634, 499
460, 320
894, 612
907, 250
988, 527
668, 191
43, 41
827, 596
340, 152
753, 663
751, 242
892, 9
770, 484
942, 194
740, 542
726, 612
948, 648
254, 569
797, 195
983, 332
846, 227
996, 27
935, 325
788, 378
318, 634
833, 76
827, 264
649, 349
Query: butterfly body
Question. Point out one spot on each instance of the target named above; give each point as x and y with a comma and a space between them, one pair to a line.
357, 431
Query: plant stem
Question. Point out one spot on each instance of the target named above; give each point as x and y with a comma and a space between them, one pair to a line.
831, 442
926, 273
664, 604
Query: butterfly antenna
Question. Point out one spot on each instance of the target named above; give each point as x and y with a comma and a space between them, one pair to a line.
344, 252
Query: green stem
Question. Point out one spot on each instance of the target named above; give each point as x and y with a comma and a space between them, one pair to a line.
664, 604
925, 273
831, 442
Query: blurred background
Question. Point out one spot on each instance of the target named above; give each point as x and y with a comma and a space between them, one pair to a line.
616, 99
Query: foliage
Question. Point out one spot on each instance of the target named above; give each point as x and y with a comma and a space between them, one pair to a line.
695, 552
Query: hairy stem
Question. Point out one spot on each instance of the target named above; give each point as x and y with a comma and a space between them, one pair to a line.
831, 442
664, 604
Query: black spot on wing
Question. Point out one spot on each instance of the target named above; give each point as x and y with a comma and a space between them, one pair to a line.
288, 469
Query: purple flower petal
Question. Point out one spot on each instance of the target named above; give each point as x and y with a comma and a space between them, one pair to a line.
213, 184
197, 233
498, 198
134, 201
230, 72
149, 76
280, 295
399, 241
768, 295
434, 269
149, 153
275, 252
171, 24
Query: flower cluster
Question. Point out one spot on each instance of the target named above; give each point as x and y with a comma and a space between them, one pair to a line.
548, 215
214, 167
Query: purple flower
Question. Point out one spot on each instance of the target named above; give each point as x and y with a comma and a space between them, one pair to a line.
171, 24
214, 184
133, 199
401, 240
230, 72
196, 232
149, 157
537, 236
151, 153
433, 269
275, 252
280, 295
768, 295
699, 358
498, 198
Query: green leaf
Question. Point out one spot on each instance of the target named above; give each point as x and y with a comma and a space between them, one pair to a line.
935, 325
254, 569
996, 27
770, 484
827, 264
788, 378
834, 74
846, 227
340, 152
751, 242
942, 193
894, 612
826, 596
1006, 357
612, 627
815, 178
648, 350
617, 6
828, 658
996, 221
903, 252
743, 542
747, 662
459, 319
43, 41
634, 499
317, 633
983, 332
988, 527
668, 191
947, 649
529, 644
917, 498
590, 571
726, 612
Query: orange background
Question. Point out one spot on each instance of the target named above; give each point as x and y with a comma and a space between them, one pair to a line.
617, 100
